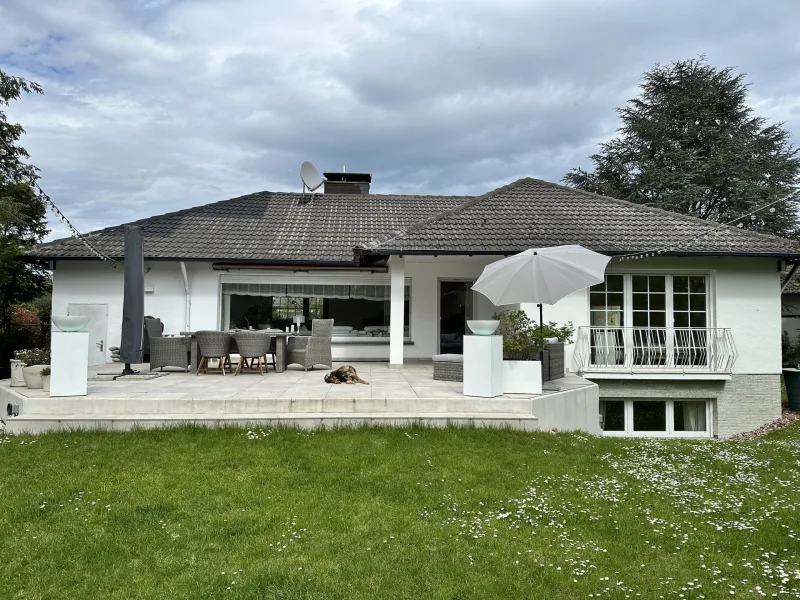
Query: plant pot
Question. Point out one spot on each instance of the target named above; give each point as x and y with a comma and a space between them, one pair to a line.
16, 373
791, 377
46, 383
522, 377
33, 376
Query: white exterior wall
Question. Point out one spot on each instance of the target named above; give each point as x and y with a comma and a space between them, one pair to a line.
92, 282
744, 295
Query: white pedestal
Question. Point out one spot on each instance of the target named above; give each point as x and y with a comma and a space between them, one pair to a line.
483, 365
522, 377
69, 363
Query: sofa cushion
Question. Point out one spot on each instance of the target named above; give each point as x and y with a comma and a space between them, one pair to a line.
448, 358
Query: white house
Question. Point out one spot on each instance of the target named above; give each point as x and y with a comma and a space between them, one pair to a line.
685, 342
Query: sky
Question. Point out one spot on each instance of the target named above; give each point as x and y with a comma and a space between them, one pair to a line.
152, 106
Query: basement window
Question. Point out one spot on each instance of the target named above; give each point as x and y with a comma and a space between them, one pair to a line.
656, 417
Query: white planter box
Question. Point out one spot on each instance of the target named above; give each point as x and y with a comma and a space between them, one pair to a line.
483, 366
522, 377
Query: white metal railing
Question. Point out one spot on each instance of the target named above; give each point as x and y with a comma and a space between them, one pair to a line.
655, 349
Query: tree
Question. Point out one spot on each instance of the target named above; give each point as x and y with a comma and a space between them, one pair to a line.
22, 209
690, 143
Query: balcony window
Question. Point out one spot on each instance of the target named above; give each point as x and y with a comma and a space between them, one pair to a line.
647, 321
655, 417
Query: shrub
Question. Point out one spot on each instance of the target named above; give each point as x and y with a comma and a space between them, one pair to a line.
45, 371
33, 356
522, 339
790, 351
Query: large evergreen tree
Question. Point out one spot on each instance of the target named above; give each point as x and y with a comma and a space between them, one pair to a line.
22, 209
690, 143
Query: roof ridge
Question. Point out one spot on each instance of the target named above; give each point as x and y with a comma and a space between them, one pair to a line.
442, 215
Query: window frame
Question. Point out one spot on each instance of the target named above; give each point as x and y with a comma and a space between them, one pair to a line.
628, 430
627, 287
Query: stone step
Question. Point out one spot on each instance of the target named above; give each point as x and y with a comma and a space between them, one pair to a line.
43, 423
91, 406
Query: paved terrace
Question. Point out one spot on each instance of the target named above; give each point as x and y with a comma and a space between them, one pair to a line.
294, 397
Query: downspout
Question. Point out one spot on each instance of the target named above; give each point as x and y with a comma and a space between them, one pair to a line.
188, 297
788, 278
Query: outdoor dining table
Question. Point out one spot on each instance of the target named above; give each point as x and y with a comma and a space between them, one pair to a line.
281, 342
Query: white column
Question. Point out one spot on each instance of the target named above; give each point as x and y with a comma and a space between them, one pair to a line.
397, 278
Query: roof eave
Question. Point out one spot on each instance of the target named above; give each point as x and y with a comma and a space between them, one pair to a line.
432, 252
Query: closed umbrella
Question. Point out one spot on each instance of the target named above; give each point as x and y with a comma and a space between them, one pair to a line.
541, 276
130, 348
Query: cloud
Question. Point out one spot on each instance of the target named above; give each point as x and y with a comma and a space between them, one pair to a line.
159, 105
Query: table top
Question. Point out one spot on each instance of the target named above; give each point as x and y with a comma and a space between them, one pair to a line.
272, 332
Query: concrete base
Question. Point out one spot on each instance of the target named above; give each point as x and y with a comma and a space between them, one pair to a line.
573, 406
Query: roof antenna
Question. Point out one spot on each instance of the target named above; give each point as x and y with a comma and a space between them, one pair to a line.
310, 177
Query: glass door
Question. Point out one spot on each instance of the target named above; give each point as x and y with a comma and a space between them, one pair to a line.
456, 306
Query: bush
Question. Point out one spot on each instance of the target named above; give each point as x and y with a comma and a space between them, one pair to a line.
45, 371
33, 356
522, 339
790, 351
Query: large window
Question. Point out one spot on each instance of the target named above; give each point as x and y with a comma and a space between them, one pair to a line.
657, 417
357, 310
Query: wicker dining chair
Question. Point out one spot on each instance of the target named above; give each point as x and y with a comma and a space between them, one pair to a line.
314, 349
166, 351
254, 346
213, 344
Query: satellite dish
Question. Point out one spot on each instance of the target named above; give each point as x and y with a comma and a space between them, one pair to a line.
310, 176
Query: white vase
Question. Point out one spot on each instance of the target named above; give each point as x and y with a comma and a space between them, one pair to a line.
16, 373
33, 376
46, 383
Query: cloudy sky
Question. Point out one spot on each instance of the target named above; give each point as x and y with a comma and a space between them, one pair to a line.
158, 105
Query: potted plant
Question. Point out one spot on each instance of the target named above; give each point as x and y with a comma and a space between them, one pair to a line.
523, 346
46, 379
35, 360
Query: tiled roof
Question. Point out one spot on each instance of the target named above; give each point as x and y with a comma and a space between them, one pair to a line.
264, 226
526, 214
531, 213
793, 288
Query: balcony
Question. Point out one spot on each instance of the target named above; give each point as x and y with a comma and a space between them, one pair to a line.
606, 351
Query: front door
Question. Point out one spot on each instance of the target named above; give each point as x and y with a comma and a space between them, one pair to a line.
97, 328
456, 305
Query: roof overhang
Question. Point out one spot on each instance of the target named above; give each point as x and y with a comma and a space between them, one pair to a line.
417, 252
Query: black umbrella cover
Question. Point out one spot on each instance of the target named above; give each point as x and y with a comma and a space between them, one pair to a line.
133, 298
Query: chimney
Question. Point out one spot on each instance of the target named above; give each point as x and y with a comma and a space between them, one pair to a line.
347, 183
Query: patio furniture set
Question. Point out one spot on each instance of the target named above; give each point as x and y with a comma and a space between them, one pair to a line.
193, 350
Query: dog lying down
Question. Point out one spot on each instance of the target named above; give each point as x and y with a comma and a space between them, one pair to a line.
344, 374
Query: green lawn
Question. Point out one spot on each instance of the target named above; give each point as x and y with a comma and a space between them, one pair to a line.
393, 513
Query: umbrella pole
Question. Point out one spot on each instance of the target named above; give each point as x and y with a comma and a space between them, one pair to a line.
541, 336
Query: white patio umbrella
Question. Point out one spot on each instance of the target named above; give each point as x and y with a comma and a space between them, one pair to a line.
541, 275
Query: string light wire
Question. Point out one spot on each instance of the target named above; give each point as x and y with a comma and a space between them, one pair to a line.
63, 218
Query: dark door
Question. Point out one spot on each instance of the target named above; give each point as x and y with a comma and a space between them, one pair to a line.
456, 301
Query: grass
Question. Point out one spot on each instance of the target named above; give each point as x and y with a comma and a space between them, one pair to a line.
393, 513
